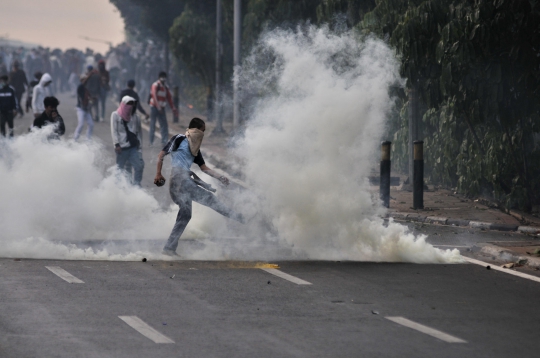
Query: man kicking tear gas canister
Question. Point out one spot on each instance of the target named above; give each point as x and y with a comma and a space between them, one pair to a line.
185, 150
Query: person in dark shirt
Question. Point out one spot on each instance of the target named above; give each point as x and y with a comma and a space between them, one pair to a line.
8, 106
50, 116
19, 82
83, 111
129, 91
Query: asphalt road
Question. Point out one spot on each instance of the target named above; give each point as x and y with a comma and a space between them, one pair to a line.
232, 309
237, 309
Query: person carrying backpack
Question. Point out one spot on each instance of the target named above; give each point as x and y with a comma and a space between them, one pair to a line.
160, 95
127, 139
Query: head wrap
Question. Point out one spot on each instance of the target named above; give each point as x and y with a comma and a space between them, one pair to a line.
195, 137
125, 110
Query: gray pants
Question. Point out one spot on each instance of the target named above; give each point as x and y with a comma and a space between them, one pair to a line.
134, 157
164, 127
183, 192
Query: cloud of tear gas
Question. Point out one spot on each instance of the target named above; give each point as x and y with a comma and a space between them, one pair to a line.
320, 107
59, 192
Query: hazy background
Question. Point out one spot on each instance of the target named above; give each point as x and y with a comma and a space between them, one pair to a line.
59, 23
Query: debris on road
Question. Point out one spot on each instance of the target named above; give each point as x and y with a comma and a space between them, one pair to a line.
173, 276
269, 282
488, 267
375, 312
144, 259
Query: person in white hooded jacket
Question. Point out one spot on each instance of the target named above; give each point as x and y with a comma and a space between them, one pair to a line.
127, 139
41, 91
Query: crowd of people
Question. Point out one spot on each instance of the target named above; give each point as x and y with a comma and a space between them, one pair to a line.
93, 79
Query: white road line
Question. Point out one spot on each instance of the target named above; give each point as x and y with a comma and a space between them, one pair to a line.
63, 274
505, 270
140, 326
286, 276
425, 329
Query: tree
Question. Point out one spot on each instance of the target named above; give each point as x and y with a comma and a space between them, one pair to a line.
475, 65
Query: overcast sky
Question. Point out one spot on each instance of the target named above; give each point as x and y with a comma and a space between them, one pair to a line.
59, 23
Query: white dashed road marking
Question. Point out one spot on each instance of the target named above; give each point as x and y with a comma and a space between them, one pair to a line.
286, 276
63, 274
140, 326
505, 270
426, 330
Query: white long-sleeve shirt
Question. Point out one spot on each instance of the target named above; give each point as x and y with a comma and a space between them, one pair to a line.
118, 131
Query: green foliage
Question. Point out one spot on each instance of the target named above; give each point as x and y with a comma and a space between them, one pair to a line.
475, 65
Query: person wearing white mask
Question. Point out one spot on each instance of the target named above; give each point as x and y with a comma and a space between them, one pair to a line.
185, 150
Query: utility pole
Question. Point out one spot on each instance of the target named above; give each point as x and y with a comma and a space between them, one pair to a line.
219, 68
166, 55
237, 38
413, 128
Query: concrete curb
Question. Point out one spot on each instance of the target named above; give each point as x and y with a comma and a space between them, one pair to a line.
463, 223
507, 255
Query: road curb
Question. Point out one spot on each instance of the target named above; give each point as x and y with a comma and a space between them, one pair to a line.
412, 217
509, 256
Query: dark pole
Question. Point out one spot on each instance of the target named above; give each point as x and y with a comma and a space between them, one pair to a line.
418, 181
413, 127
219, 69
237, 46
385, 173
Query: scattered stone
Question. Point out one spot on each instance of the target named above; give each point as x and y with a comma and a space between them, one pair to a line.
521, 262
510, 265
173, 276
164, 323
375, 312
144, 259
269, 282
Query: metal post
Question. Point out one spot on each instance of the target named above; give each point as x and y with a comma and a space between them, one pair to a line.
418, 181
219, 68
413, 128
237, 44
384, 189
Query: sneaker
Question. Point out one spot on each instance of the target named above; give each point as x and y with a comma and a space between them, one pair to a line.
170, 253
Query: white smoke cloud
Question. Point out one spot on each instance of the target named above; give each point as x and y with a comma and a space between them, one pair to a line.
313, 130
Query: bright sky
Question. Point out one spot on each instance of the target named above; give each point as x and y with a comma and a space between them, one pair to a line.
60, 23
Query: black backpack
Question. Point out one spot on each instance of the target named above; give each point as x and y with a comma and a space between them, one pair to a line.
131, 137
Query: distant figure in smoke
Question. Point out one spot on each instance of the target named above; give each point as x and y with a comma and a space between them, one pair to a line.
19, 82
83, 111
126, 135
160, 95
30, 95
50, 116
40, 92
184, 151
130, 91
93, 85
105, 86
8, 105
